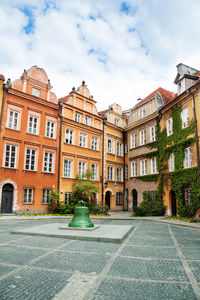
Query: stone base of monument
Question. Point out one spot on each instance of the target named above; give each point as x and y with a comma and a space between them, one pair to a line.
100, 233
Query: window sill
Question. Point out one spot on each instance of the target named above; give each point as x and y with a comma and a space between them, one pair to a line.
48, 173
49, 138
24, 203
35, 134
13, 129
65, 177
34, 171
10, 168
110, 153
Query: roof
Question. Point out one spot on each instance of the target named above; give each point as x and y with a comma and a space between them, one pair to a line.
166, 95
102, 113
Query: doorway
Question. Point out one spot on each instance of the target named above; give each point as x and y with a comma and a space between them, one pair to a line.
7, 198
107, 199
134, 194
173, 203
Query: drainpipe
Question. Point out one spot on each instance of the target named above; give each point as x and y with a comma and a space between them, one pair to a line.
103, 141
60, 140
124, 180
196, 135
6, 87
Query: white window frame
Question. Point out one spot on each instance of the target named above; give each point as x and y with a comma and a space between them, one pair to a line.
111, 146
69, 136
67, 197
110, 173
10, 161
169, 126
46, 196
153, 133
126, 171
87, 121
187, 195
50, 129
120, 174
48, 162
142, 113
185, 117
116, 121
133, 169
83, 140
143, 167
119, 149
28, 192
171, 162
188, 158
82, 168
94, 170
132, 140
78, 117
154, 165
36, 92
32, 129
95, 143
67, 168
142, 137
13, 121
30, 158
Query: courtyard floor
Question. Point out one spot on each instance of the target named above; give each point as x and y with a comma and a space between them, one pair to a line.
156, 261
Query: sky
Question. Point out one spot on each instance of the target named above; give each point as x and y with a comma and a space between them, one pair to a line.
123, 50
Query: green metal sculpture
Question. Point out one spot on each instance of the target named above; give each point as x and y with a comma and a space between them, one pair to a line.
81, 217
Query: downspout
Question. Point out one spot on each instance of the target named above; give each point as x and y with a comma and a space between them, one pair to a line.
104, 122
6, 86
60, 140
196, 135
124, 180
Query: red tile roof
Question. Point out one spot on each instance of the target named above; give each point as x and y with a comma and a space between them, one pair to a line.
102, 113
167, 96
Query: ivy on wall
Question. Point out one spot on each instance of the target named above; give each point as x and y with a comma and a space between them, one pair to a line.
180, 178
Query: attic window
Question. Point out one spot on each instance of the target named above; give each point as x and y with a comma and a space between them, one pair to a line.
142, 113
35, 92
116, 121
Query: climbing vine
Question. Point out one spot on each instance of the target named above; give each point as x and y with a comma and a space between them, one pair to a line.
180, 178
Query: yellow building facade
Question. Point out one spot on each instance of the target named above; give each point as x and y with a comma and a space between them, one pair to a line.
81, 141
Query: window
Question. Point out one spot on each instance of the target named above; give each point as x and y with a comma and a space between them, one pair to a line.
83, 140
185, 117
46, 196
142, 113
35, 92
69, 136
116, 121
50, 129
126, 171
13, 119
95, 143
154, 195
81, 168
110, 173
188, 158
78, 118
169, 126
126, 148
30, 162
143, 167
132, 141
119, 174
118, 198
187, 195
67, 198
171, 162
94, 170
119, 149
153, 165
133, 169
142, 137
67, 168
48, 162
152, 133
33, 125
28, 196
10, 156
111, 146
87, 121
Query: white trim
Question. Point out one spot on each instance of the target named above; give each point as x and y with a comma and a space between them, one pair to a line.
15, 192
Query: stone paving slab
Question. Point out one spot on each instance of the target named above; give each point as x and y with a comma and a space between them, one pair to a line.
105, 233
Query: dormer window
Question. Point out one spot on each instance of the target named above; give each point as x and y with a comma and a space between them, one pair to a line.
35, 92
116, 121
142, 113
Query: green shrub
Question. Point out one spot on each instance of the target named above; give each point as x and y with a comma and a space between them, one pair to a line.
98, 209
150, 208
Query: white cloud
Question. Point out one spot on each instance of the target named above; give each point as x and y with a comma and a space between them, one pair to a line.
120, 54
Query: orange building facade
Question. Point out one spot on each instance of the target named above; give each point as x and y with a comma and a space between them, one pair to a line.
29, 141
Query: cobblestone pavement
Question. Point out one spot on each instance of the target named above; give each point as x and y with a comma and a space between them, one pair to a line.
157, 261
